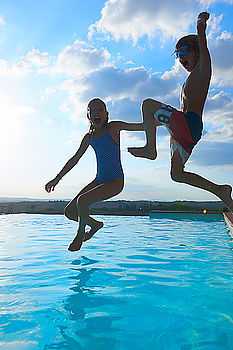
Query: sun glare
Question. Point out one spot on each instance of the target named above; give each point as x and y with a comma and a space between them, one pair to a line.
12, 122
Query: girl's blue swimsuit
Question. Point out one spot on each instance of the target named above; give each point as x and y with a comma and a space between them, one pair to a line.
108, 158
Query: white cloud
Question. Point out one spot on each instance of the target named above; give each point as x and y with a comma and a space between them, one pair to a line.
136, 83
37, 58
2, 21
65, 107
218, 130
207, 3
20, 69
80, 58
16, 70
214, 25
25, 65
75, 60
4, 69
221, 49
130, 19
126, 87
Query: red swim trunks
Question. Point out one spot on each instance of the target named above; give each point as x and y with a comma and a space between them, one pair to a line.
185, 129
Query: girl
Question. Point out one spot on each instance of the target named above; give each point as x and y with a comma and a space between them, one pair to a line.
104, 137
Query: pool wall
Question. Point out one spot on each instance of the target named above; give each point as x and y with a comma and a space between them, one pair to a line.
229, 220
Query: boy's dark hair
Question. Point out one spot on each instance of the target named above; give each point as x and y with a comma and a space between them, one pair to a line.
190, 40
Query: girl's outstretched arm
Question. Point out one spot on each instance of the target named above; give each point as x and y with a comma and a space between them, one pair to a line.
70, 164
120, 125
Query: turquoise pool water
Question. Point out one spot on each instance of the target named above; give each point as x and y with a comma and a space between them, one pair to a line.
161, 283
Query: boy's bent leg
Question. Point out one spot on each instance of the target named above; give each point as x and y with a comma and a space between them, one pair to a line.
98, 193
149, 107
178, 174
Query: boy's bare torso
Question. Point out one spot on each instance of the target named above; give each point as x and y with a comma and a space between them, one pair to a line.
195, 89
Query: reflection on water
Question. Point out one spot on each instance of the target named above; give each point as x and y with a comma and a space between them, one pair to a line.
141, 283
95, 326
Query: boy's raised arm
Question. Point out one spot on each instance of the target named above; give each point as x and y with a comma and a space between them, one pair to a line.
205, 61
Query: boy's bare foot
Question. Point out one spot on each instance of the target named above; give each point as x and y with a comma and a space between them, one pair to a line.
143, 152
225, 195
77, 242
93, 230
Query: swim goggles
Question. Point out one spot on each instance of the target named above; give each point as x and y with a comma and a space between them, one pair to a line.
183, 50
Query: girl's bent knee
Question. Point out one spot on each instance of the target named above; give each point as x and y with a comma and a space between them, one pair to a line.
67, 213
82, 200
70, 212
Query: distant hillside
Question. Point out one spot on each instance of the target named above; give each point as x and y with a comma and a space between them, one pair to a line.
15, 199
11, 199
121, 207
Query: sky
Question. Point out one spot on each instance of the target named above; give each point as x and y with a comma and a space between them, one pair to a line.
56, 55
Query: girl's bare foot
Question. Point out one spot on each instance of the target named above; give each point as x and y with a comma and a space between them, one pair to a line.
77, 242
93, 230
143, 152
225, 195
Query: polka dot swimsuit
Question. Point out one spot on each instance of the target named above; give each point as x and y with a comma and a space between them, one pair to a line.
108, 158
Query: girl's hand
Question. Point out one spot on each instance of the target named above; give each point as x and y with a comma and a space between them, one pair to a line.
202, 19
51, 185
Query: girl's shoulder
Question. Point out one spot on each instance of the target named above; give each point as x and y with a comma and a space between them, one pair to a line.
87, 137
114, 130
113, 125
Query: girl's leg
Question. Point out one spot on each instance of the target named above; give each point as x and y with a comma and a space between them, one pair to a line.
178, 174
149, 107
71, 211
98, 193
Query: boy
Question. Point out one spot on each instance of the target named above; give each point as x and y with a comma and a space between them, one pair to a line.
185, 126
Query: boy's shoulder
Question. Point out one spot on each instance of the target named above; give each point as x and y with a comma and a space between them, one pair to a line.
203, 67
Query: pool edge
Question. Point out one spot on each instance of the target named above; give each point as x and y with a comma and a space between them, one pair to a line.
229, 221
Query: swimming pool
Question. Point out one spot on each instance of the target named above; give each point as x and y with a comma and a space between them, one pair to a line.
161, 283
